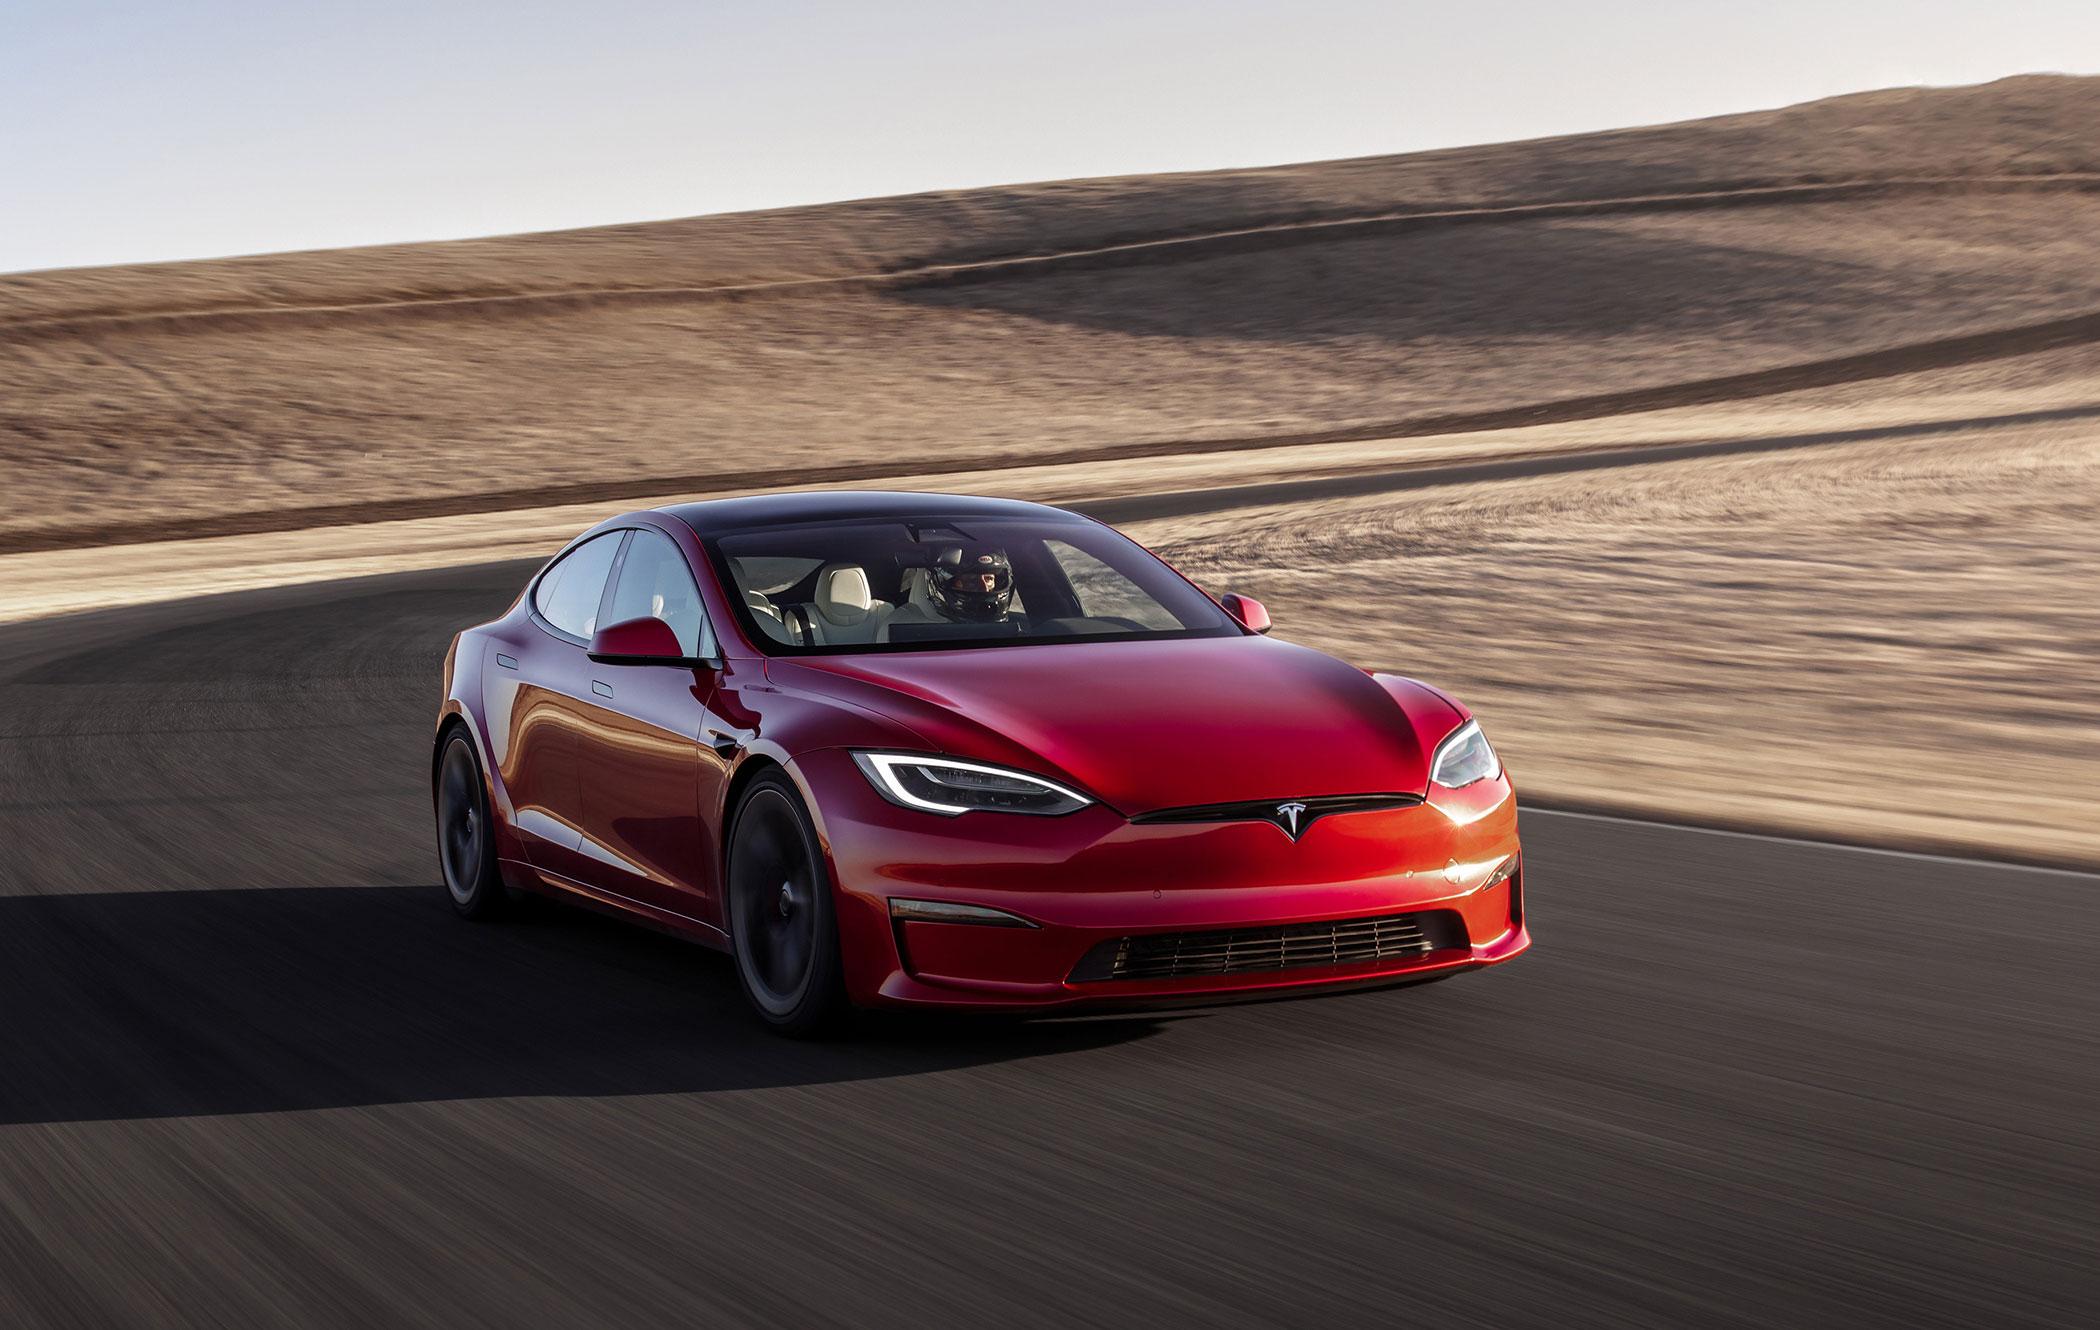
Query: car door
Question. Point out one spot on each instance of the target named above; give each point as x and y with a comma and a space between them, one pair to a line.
645, 770
538, 691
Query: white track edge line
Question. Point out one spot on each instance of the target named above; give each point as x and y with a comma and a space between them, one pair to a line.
1954, 860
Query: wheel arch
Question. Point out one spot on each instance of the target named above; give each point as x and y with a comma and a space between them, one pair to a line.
456, 718
755, 765
450, 723
747, 773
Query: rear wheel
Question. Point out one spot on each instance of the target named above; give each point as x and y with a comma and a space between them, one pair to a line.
466, 843
782, 925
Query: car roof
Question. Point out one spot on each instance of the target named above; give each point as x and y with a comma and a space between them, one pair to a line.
714, 517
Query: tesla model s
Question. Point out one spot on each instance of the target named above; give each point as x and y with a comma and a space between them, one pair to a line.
914, 750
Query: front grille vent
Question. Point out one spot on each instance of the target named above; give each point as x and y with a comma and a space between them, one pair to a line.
1284, 947
1293, 816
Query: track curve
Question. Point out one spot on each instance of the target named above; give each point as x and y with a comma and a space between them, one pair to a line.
255, 1072
1177, 246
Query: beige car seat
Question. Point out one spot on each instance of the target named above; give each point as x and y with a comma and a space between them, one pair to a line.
845, 609
918, 606
768, 616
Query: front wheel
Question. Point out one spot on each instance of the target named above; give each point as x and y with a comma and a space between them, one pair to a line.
782, 925
466, 840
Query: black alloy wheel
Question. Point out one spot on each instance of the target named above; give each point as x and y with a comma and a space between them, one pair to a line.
782, 925
466, 848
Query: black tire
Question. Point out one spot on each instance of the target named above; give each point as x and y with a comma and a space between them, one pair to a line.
466, 840
783, 926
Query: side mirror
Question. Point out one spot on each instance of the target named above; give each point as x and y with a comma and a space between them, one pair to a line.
645, 641
1247, 610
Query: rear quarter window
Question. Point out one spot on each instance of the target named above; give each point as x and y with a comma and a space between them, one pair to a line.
568, 594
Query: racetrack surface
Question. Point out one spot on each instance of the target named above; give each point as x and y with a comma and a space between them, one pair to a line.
252, 1071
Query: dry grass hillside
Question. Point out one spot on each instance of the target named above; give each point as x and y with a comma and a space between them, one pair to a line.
417, 380
2033, 125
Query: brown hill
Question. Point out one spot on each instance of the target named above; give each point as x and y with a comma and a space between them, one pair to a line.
1352, 296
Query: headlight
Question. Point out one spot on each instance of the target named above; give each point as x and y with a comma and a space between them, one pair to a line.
946, 786
1463, 757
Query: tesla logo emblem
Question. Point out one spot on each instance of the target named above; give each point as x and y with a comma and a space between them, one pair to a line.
1290, 813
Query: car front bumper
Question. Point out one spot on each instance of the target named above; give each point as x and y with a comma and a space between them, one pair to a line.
1087, 880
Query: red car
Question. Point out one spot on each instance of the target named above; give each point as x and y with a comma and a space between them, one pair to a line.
914, 750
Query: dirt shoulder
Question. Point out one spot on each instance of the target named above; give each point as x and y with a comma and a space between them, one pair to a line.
1875, 642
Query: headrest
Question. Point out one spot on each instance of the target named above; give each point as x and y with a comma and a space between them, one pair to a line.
918, 588
842, 593
759, 601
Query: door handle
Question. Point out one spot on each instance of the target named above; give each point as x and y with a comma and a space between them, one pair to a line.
601, 689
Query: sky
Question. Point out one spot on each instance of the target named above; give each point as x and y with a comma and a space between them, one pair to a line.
137, 130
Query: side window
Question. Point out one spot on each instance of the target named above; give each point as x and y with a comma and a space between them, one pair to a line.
1105, 593
655, 583
568, 595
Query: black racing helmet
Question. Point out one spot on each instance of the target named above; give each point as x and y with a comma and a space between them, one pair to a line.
973, 583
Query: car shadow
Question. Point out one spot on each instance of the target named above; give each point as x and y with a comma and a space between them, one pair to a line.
178, 1003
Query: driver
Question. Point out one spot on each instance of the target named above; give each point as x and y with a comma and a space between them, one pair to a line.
972, 583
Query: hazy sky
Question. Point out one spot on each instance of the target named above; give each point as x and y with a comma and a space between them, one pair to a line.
157, 129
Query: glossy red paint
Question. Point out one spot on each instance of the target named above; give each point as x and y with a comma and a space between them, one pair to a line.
1143, 725
645, 641
614, 779
1247, 610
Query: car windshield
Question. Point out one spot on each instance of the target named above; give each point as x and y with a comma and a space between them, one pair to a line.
927, 583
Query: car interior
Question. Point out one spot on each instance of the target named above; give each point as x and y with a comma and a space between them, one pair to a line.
836, 603
850, 590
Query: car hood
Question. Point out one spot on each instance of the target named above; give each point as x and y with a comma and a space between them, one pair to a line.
1146, 725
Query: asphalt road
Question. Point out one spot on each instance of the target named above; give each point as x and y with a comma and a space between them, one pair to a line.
253, 1072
